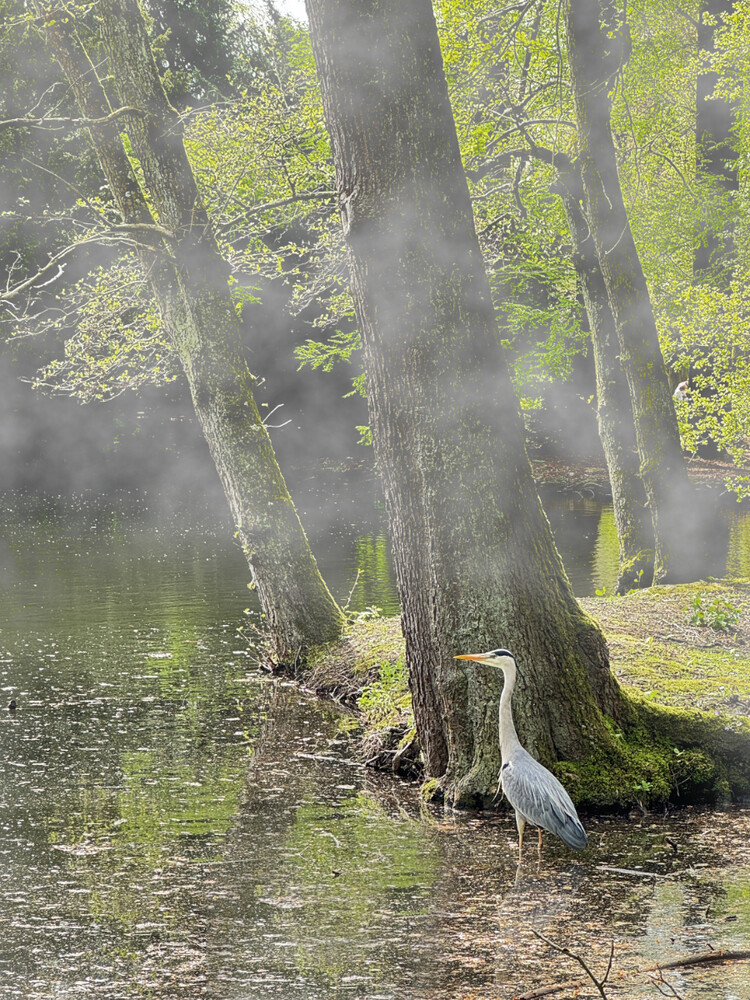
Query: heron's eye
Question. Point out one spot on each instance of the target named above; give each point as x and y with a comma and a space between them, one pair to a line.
503, 652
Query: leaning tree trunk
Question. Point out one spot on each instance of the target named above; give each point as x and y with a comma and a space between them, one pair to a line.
635, 533
597, 43
476, 564
190, 284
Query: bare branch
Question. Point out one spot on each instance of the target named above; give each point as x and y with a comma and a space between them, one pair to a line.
518, 127
684, 13
11, 293
251, 210
656, 152
599, 983
45, 170
505, 10
666, 989
516, 187
142, 227
270, 414
46, 121
678, 963
41, 277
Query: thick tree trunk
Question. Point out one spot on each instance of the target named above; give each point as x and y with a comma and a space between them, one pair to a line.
476, 564
597, 44
189, 280
635, 534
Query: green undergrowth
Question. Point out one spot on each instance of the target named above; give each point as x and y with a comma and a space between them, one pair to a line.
347, 669
366, 670
685, 737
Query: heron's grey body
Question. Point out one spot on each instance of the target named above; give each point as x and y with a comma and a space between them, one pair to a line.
533, 791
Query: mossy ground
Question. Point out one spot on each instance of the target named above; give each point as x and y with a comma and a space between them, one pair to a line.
366, 670
345, 669
654, 649
688, 688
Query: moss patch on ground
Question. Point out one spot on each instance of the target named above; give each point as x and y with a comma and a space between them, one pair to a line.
655, 649
366, 670
710, 680
688, 686
345, 669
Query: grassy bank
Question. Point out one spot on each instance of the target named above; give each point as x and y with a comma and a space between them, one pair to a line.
682, 654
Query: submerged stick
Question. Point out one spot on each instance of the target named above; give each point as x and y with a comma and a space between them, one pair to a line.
677, 963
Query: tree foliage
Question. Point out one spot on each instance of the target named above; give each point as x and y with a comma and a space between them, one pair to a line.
117, 341
244, 79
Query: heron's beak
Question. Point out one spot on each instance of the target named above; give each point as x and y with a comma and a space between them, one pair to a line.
473, 656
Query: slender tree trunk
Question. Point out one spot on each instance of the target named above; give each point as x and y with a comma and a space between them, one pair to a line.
190, 283
635, 532
717, 156
597, 47
715, 253
476, 563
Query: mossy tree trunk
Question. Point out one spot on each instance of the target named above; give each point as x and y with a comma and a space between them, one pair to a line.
475, 560
598, 42
635, 533
190, 283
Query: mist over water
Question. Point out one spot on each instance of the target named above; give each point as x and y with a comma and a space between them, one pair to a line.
176, 823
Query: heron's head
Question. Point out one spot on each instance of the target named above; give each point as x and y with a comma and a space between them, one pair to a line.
501, 658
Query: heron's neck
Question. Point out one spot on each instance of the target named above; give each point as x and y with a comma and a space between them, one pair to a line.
508, 735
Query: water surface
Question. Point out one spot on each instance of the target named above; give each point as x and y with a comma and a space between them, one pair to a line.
175, 823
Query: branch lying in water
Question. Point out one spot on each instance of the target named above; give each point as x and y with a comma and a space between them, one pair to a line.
678, 963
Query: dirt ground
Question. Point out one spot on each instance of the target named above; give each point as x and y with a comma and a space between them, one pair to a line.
663, 614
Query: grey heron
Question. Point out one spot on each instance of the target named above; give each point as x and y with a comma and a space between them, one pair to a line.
533, 791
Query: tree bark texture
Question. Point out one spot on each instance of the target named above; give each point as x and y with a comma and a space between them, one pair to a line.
190, 283
717, 157
476, 564
597, 46
635, 534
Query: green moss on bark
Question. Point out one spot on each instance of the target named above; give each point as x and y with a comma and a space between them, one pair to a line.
664, 755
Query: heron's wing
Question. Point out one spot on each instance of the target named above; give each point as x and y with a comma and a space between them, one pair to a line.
538, 796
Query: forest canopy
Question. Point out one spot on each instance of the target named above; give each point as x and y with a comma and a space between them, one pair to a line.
243, 81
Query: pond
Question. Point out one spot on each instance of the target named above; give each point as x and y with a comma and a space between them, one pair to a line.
175, 823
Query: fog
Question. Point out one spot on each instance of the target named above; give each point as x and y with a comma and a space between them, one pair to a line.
293, 8
151, 440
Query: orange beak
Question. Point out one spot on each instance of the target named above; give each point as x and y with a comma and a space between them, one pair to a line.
472, 656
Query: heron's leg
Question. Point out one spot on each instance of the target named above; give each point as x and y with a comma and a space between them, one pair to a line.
539, 848
521, 824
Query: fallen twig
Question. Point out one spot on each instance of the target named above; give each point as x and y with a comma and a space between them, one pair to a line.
599, 983
330, 760
677, 963
631, 871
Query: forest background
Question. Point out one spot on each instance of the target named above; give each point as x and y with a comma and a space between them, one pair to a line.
220, 219
244, 80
